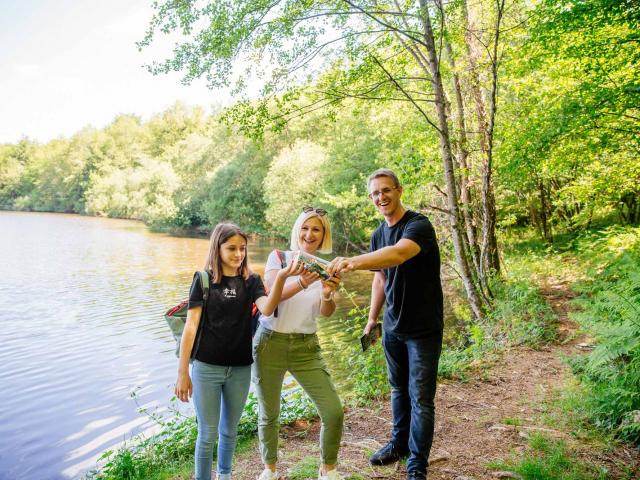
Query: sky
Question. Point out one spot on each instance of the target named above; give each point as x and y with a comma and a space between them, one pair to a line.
67, 64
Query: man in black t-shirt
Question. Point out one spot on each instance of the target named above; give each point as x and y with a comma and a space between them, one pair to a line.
405, 257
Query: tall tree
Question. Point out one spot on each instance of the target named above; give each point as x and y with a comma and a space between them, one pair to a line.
383, 51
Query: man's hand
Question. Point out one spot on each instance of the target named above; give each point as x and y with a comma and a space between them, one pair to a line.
370, 324
339, 265
368, 327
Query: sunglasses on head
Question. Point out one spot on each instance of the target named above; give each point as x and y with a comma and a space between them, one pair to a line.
320, 211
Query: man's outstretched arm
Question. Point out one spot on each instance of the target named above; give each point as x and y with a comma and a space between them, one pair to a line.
384, 258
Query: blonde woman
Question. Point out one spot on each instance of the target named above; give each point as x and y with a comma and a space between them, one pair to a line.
286, 341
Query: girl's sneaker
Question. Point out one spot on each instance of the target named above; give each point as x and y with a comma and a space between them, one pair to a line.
330, 475
268, 475
223, 476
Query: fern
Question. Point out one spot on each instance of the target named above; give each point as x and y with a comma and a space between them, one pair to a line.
610, 312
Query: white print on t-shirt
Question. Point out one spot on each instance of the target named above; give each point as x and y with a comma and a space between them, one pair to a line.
229, 292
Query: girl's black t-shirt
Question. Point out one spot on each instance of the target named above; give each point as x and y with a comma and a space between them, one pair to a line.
227, 331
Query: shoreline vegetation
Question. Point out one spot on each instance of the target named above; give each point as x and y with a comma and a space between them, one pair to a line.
549, 314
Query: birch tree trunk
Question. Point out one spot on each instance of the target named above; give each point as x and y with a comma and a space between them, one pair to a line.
463, 157
490, 259
448, 163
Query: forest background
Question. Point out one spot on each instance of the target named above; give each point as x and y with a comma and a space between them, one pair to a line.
504, 120
565, 148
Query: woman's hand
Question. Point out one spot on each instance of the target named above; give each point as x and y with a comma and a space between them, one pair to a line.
184, 387
307, 278
327, 304
330, 285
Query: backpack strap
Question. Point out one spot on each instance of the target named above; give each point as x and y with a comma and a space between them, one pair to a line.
281, 256
204, 283
283, 264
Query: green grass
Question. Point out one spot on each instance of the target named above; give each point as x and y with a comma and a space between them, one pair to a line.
512, 421
603, 265
308, 468
549, 459
169, 454
304, 469
520, 316
608, 309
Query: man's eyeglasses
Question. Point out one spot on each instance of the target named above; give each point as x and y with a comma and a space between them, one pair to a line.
320, 211
384, 191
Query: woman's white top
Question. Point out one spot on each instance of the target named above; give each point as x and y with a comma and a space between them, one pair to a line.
296, 314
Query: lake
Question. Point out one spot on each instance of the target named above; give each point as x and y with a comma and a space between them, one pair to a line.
83, 344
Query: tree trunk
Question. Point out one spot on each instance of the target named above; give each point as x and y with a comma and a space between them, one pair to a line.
490, 258
463, 157
447, 159
546, 228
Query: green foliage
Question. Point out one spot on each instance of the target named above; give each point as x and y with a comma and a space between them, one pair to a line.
173, 125
295, 179
568, 141
364, 374
549, 459
144, 192
567, 128
12, 166
236, 192
520, 314
610, 311
211, 173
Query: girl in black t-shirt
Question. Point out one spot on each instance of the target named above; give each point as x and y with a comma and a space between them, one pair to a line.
221, 368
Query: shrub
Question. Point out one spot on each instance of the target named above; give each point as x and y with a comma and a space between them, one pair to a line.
609, 305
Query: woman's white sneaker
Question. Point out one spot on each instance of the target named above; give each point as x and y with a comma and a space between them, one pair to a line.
268, 475
330, 475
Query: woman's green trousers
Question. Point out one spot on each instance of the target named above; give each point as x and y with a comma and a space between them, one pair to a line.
298, 353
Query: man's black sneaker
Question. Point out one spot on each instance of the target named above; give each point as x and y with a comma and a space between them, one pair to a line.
416, 476
390, 453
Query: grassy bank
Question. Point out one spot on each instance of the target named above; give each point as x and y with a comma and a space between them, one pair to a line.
169, 453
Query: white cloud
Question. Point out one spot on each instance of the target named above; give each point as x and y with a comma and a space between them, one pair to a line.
26, 70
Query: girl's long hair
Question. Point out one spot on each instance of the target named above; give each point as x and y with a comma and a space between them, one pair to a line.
213, 264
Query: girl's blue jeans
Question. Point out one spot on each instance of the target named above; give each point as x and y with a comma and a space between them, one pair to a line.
219, 395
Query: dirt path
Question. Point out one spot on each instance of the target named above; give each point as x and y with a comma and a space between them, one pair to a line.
477, 422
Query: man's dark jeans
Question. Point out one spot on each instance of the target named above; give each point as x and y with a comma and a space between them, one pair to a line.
413, 370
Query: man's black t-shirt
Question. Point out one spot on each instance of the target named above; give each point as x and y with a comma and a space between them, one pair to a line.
413, 290
226, 332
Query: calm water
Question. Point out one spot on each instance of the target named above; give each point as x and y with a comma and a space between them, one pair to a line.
81, 304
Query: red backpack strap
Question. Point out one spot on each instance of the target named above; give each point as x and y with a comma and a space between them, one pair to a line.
283, 264
281, 256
